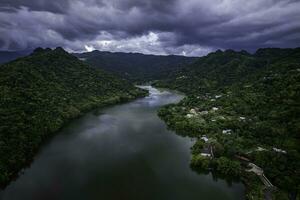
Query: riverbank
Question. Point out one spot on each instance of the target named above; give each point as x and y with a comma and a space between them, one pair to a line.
220, 146
125, 151
8, 175
248, 106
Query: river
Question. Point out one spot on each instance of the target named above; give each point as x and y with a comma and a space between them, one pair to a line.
123, 152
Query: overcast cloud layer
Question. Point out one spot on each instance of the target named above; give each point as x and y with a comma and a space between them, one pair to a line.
185, 27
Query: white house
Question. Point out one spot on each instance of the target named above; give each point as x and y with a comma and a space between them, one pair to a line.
242, 118
204, 138
227, 131
261, 149
215, 108
189, 116
193, 111
279, 150
205, 112
205, 154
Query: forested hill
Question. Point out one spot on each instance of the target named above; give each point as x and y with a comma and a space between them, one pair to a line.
225, 68
136, 66
247, 105
40, 93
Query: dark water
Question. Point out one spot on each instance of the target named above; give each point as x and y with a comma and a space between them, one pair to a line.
125, 152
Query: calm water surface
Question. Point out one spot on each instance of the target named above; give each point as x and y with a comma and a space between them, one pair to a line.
123, 153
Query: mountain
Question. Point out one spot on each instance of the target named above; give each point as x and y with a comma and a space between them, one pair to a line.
220, 69
213, 71
135, 66
244, 106
6, 56
43, 91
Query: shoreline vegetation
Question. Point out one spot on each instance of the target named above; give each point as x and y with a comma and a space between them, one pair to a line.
243, 110
43, 92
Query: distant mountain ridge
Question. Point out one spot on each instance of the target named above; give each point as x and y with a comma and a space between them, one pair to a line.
224, 68
135, 66
132, 66
7, 56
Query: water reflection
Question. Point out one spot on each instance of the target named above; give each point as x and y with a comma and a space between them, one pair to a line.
124, 153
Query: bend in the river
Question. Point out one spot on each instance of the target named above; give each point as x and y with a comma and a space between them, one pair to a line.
123, 152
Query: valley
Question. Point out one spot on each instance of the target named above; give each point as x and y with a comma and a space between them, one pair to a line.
122, 151
240, 109
149, 100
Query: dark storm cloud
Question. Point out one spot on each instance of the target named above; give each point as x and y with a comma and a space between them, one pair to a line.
56, 6
189, 27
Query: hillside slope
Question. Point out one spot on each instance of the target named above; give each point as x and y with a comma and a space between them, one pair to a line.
136, 66
246, 105
40, 93
220, 69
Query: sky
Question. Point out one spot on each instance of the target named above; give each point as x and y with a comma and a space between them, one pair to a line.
161, 27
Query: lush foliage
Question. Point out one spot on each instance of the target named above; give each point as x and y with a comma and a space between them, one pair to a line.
41, 92
135, 66
248, 104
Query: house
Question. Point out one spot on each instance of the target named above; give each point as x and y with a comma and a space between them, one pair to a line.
227, 131
193, 111
215, 108
261, 149
242, 118
181, 77
204, 138
206, 154
279, 150
205, 112
189, 116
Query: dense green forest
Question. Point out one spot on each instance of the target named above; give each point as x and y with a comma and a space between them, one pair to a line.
40, 93
244, 108
135, 66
